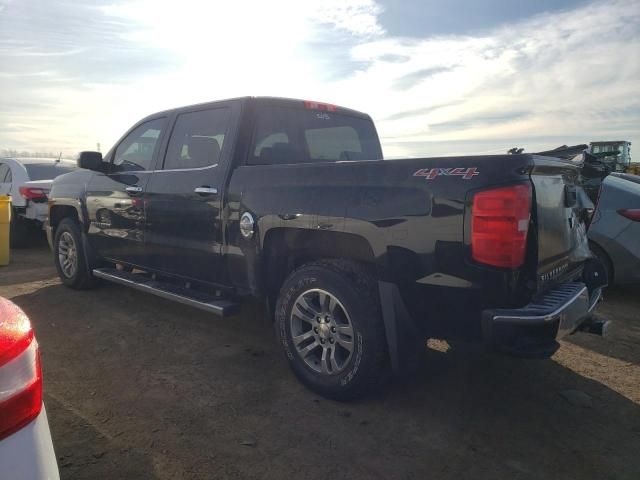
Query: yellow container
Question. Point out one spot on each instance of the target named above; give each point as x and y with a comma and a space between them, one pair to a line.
5, 224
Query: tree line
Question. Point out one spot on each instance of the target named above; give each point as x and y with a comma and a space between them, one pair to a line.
9, 152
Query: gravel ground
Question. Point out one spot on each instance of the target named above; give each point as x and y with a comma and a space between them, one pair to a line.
139, 387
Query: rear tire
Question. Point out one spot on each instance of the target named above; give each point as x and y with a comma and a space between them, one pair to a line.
70, 256
329, 324
601, 255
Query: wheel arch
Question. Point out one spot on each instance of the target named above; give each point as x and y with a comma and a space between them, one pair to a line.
59, 212
600, 251
285, 249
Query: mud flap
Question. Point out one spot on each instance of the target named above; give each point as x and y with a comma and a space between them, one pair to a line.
405, 343
90, 258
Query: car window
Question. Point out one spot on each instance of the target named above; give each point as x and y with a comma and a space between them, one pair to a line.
269, 141
4, 170
47, 171
337, 143
137, 151
286, 135
197, 139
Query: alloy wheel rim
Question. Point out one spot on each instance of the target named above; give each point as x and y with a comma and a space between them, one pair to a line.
322, 332
67, 254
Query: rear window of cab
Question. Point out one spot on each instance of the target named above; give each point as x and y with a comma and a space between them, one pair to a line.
285, 135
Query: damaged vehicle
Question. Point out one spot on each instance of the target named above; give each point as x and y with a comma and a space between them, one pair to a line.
358, 259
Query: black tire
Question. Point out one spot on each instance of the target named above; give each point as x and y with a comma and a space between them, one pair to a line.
80, 277
18, 231
605, 260
356, 291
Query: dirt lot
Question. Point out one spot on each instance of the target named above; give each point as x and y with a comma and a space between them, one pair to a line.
139, 387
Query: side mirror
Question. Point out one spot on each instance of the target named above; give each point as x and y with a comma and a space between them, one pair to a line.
90, 161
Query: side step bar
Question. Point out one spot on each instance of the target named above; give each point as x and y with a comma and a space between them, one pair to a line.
186, 296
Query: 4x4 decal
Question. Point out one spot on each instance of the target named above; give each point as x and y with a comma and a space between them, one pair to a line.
431, 173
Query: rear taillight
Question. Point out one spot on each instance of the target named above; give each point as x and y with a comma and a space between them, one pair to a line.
630, 213
32, 193
20, 371
499, 225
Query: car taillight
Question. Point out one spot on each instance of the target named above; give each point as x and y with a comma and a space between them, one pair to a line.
20, 371
499, 225
630, 213
31, 193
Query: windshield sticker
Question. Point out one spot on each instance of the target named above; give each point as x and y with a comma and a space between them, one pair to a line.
431, 173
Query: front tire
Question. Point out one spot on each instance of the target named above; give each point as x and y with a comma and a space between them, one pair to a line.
70, 257
329, 324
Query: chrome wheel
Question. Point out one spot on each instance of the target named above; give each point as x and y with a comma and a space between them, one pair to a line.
67, 254
322, 332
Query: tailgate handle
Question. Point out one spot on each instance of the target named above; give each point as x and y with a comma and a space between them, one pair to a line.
570, 196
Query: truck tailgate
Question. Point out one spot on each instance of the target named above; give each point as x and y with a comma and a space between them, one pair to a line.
562, 244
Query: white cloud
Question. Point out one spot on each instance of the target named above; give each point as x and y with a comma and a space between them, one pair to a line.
358, 17
574, 75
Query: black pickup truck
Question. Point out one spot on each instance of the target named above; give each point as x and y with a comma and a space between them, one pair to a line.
358, 259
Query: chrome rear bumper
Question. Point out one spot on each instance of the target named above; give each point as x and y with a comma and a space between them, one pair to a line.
535, 327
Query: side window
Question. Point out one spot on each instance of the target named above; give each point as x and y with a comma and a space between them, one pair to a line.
9, 177
197, 139
137, 150
269, 141
4, 169
274, 138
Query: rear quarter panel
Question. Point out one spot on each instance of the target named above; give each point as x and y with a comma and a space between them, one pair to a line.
413, 224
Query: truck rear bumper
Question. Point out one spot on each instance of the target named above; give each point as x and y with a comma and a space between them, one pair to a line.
533, 329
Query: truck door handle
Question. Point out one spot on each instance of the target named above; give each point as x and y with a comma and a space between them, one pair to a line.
206, 191
133, 190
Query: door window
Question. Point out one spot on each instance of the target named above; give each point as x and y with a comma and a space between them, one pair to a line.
197, 139
137, 151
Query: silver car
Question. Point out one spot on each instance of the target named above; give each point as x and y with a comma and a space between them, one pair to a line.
614, 233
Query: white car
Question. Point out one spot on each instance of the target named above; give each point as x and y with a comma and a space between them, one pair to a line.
28, 181
26, 450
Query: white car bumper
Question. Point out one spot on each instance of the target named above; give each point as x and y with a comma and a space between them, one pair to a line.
37, 211
28, 454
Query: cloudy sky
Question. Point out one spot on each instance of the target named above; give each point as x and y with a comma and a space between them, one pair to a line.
439, 77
